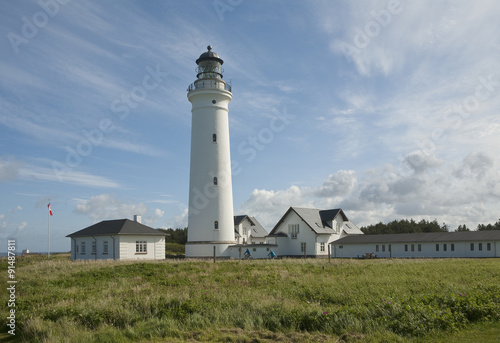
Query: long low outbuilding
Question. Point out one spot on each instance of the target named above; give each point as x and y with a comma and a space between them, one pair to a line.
419, 245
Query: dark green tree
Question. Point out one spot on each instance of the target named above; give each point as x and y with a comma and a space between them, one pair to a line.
462, 228
404, 226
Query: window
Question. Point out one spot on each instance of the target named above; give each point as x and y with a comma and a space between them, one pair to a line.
83, 248
413, 247
302, 246
480, 246
445, 247
215, 181
216, 225
105, 247
472, 247
406, 247
141, 247
244, 231
93, 247
452, 247
437, 247
322, 247
214, 138
419, 247
293, 230
341, 247
376, 248
383, 247
338, 227
488, 246
76, 246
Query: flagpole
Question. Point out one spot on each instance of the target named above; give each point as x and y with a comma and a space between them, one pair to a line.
48, 220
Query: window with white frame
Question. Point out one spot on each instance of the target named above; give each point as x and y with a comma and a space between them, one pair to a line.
322, 247
83, 248
93, 247
339, 226
141, 247
293, 230
105, 247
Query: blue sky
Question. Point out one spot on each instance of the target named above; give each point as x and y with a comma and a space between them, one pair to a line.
387, 109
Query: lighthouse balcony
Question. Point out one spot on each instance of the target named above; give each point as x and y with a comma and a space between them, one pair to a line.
209, 84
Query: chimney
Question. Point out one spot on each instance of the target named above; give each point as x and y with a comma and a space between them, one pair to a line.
138, 218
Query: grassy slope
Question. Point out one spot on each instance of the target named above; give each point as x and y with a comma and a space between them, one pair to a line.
255, 301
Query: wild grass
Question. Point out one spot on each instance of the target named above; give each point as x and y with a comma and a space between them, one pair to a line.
289, 300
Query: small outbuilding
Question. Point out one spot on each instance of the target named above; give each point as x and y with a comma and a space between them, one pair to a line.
120, 239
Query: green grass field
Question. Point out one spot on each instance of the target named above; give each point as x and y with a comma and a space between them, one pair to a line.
289, 300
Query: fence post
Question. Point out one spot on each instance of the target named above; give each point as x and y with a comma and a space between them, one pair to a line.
214, 253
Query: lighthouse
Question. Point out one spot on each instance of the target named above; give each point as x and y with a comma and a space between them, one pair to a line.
210, 213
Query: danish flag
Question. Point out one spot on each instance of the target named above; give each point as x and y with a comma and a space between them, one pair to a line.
50, 209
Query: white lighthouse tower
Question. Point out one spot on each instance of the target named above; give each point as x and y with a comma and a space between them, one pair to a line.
210, 217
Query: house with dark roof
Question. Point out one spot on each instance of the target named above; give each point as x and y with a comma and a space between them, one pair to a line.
309, 231
120, 239
420, 245
248, 230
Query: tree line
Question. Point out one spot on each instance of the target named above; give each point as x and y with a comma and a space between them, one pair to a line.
177, 235
412, 226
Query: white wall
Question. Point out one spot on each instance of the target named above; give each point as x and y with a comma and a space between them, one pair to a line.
292, 246
155, 247
427, 250
119, 247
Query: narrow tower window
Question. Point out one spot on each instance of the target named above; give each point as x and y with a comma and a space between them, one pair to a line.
214, 138
216, 225
215, 181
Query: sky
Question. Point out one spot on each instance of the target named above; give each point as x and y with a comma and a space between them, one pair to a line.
386, 109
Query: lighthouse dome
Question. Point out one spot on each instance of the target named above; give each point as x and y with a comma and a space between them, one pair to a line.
209, 56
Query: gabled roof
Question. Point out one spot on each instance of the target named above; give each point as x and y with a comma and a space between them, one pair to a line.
257, 229
318, 220
422, 237
239, 219
117, 227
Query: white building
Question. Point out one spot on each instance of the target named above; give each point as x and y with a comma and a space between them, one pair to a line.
121, 239
210, 217
308, 231
248, 230
420, 245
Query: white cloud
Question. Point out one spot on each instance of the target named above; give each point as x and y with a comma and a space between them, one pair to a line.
181, 221
66, 175
22, 226
338, 184
16, 209
153, 219
426, 188
268, 206
9, 169
106, 206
